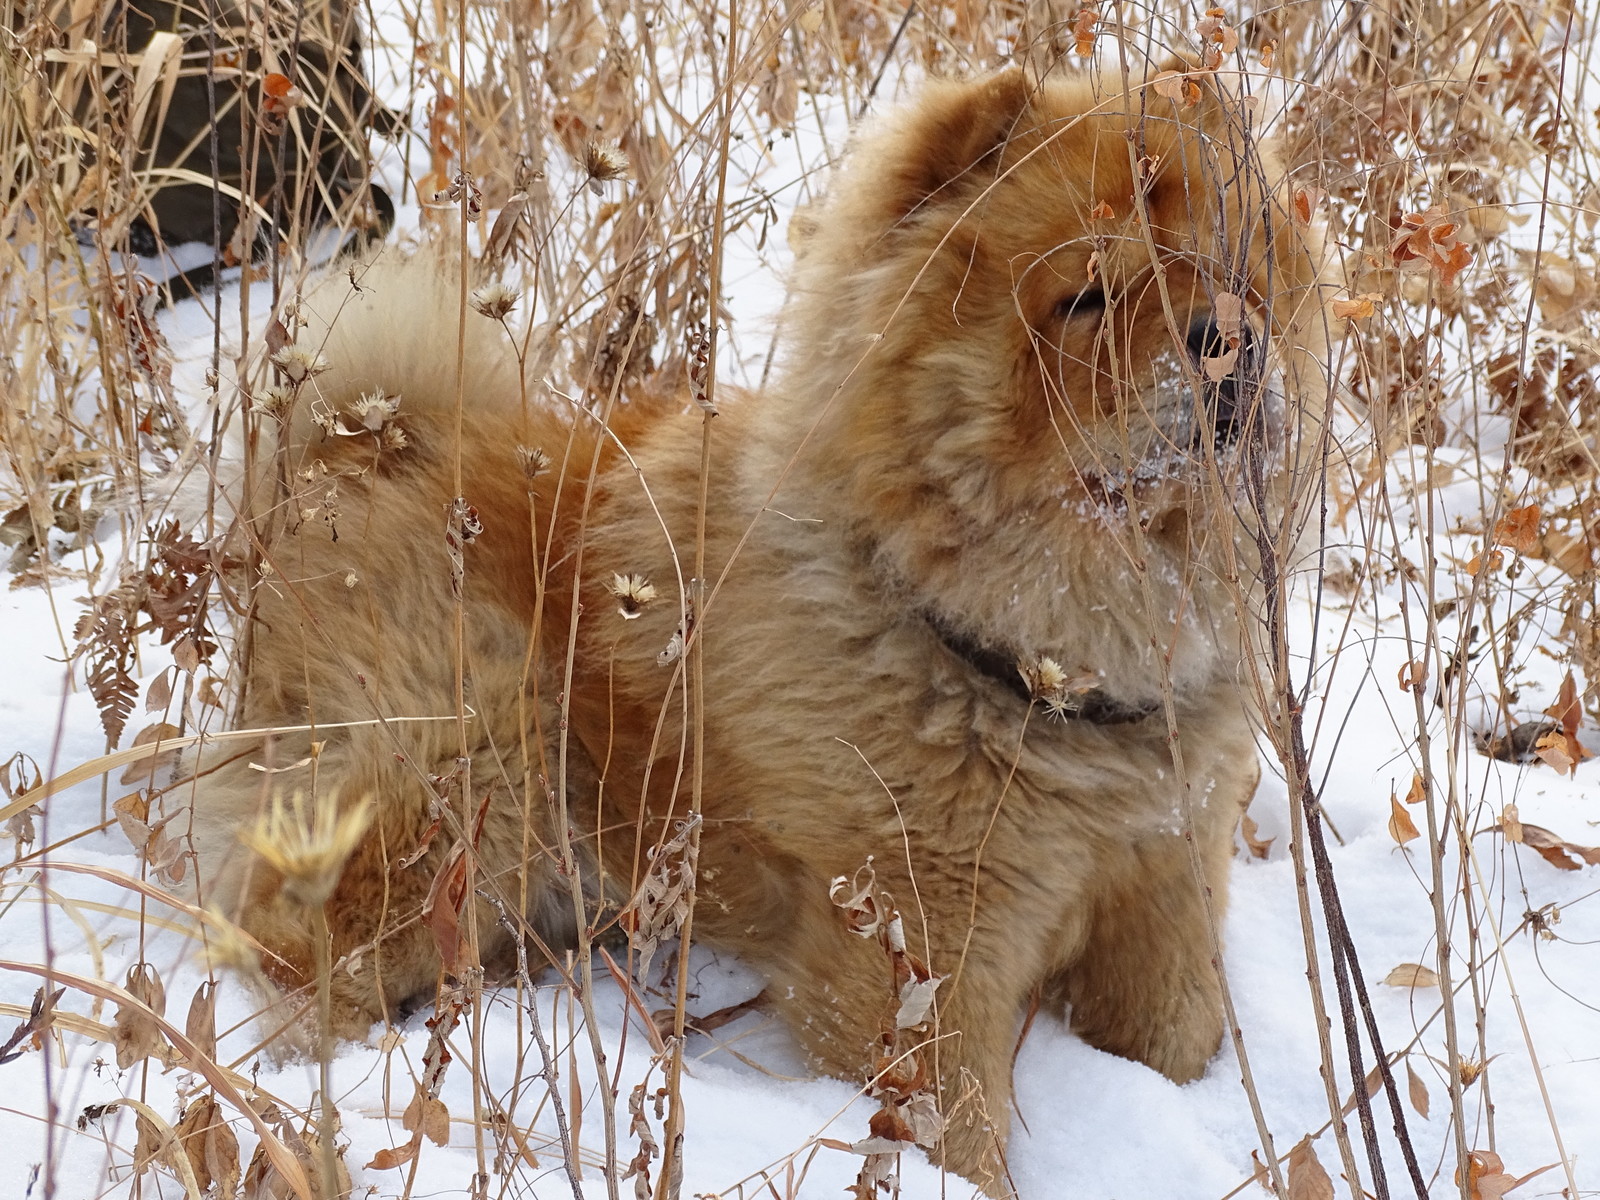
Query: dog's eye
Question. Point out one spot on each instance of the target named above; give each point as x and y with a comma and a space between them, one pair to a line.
1088, 303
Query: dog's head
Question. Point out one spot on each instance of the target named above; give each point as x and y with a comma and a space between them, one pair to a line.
1039, 312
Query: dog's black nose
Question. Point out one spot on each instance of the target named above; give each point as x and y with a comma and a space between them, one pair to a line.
1232, 398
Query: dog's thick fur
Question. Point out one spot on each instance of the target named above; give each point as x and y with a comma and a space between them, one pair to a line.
992, 443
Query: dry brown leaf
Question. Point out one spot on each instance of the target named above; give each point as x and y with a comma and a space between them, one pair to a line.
1555, 851
201, 1024
1401, 828
1518, 529
1219, 366
441, 911
1259, 1173
1356, 308
1177, 87
1083, 30
1554, 750
1418, 791
1511, 823
157, 696
1480, 564
1371, 1085
916, 1001
263, 1181
429, 1114
142, 770
1411, 975
136, 1033
1429, 240
1567, 709
1487, 1178
133, 814
1307, 1179
1257, 846
1220, 38
661, 904
211, 692
865, 908
210, 1146
1227, 313
1305, 203
186, 654
387, 1159
1417, 1090
148, 1143
1102, 212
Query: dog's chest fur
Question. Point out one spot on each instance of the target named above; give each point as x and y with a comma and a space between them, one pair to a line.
829, 686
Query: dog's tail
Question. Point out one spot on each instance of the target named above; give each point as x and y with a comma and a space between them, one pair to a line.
408, 527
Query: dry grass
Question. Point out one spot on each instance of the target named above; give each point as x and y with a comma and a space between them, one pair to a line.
1448, 147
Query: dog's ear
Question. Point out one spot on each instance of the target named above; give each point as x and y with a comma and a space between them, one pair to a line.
956, 130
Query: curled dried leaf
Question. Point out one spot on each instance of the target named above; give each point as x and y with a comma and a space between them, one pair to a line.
1177, 87
1568, 856
1417, 1090
1356, 308
1084, 22
1401, 827
1518, 529
1411, 975
1308, 1180
200, 1026
864, 907
209, 1145
1429, 241
136, 1031
661, 904
1258, 846
916, 1001
430, 1116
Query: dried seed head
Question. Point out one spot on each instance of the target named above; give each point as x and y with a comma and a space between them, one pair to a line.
633, 592
393, 438
373, 412
308, 848
229, 947
1053, 686
535, 462
1047, 676
495, 300
274, 401
299, 363
603, 163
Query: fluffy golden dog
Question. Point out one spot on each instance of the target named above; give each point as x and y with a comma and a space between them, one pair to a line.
971, 584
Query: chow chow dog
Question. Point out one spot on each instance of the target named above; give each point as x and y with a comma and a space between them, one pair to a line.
959, 597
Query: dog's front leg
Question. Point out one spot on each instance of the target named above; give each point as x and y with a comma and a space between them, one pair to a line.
1145, 985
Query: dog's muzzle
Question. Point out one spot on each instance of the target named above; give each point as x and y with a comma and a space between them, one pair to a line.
1232, 403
